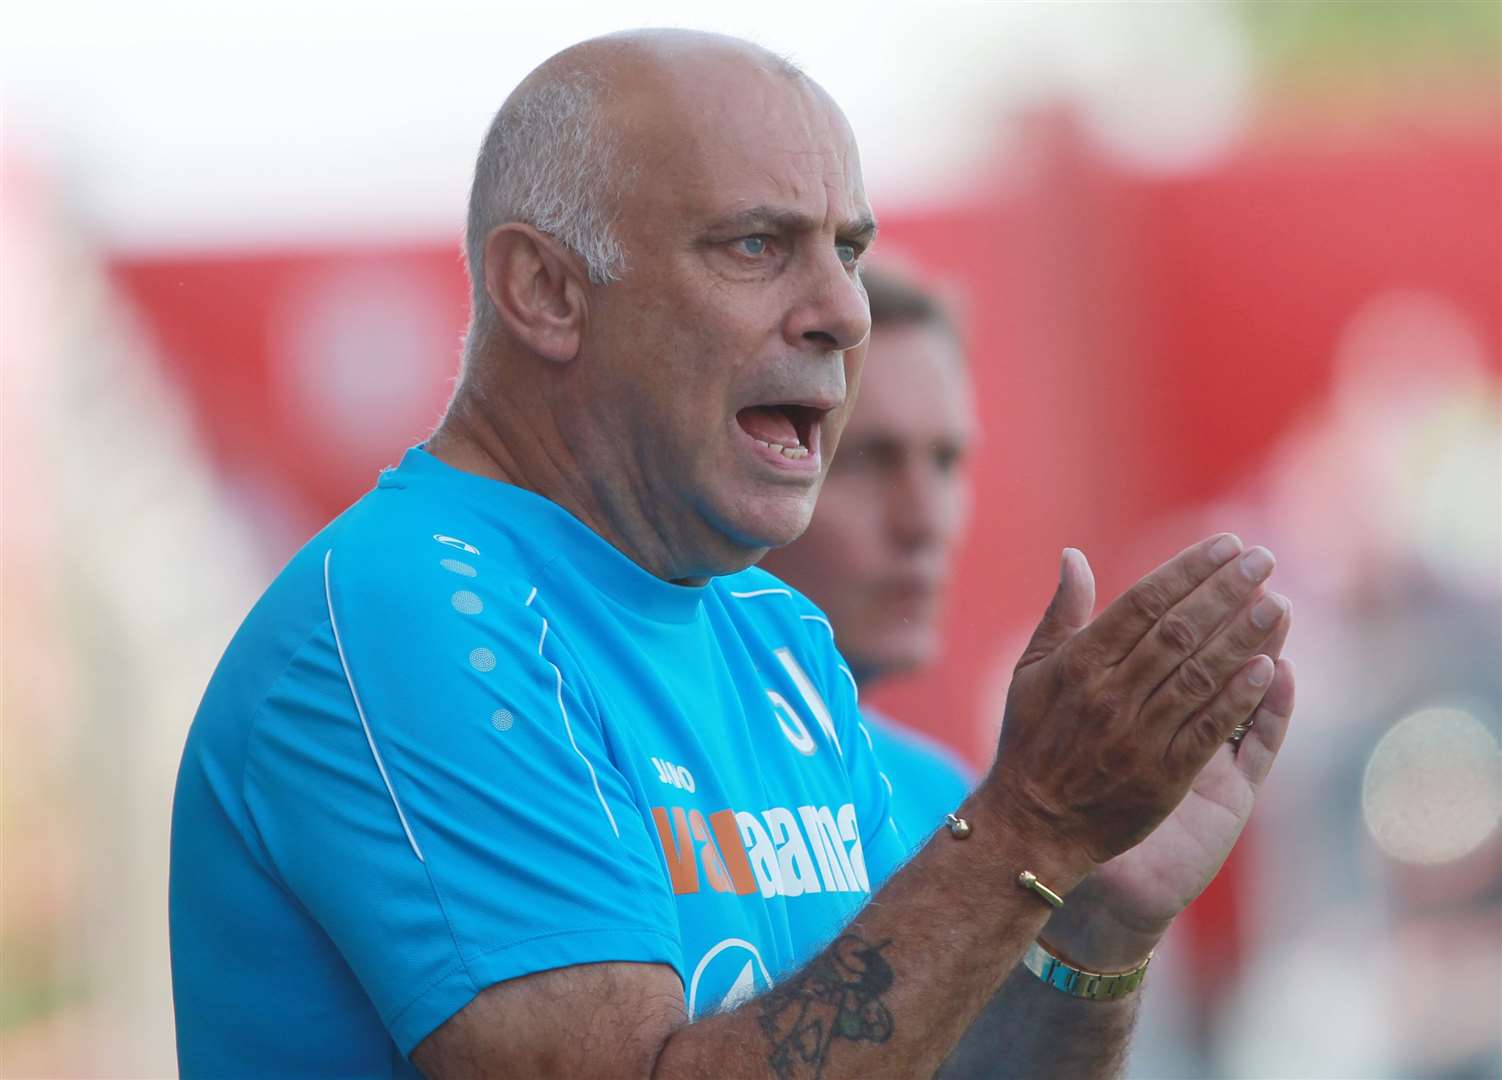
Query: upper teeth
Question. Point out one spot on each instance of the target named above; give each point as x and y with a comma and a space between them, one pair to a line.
793, 452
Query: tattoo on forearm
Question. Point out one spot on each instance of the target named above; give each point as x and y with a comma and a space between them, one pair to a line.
838, 996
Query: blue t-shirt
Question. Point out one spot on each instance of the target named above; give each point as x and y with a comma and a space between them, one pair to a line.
926, 779
462, 738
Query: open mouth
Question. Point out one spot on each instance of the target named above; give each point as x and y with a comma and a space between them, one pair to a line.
789, 430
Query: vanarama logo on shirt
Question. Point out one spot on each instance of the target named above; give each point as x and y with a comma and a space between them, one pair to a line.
777, 852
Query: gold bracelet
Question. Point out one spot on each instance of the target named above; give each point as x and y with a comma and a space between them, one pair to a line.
1077, 982
1029, 881
959, 828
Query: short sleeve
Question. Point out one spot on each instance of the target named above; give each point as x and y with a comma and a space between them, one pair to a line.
430, 780
883, 842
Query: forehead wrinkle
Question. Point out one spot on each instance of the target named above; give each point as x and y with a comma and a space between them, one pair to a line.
770, 199
813, 188
863, 224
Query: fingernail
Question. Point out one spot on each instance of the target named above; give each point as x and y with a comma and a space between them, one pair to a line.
1257, 563
1261, 671
1064, 563
1268, 610
1225, 549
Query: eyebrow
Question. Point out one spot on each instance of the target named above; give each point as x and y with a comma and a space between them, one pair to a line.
778, 219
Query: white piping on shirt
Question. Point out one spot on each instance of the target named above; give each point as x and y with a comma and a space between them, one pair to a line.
866, 732
328, 596
569, 728
761, 592
819, 619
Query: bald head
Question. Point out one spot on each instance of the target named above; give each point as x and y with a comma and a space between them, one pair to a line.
567, 143
629, 54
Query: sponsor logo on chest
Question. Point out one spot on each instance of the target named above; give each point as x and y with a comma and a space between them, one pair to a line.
779, 851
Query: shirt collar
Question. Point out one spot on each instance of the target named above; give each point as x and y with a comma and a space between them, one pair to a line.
564, 546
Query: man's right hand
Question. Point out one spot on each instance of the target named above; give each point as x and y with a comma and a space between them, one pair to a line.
1108, 722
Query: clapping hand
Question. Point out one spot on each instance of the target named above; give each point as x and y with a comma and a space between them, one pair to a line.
1116, 738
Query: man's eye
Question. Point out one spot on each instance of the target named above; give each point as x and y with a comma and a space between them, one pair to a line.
948, 458
752, 245
848, 253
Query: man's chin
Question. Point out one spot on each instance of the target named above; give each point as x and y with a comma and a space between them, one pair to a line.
769, 522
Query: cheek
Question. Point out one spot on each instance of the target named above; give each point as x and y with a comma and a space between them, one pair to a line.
855, 363
958, 505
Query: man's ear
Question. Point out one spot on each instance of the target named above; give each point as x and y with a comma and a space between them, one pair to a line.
538, 289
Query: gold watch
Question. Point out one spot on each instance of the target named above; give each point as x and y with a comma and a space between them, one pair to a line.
1077, 982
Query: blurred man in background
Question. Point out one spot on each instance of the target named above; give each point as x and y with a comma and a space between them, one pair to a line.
876, 557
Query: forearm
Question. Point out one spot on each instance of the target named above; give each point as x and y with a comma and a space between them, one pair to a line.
894, 994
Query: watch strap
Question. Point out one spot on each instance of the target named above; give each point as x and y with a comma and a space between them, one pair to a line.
1078, 982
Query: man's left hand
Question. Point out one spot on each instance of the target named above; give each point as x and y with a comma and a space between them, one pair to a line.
1116, 916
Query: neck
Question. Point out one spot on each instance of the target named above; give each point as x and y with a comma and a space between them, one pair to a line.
514, 438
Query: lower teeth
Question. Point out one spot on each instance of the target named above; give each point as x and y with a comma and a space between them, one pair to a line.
793, 452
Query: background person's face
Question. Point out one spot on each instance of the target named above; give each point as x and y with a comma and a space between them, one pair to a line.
733, 329
877, 554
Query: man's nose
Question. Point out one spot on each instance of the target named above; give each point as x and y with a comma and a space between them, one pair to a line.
922, 507
833, 314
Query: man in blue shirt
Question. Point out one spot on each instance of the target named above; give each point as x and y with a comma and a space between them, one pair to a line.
520, 768
876, 557
470, 702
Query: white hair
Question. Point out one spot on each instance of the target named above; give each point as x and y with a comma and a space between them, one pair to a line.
547, 161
